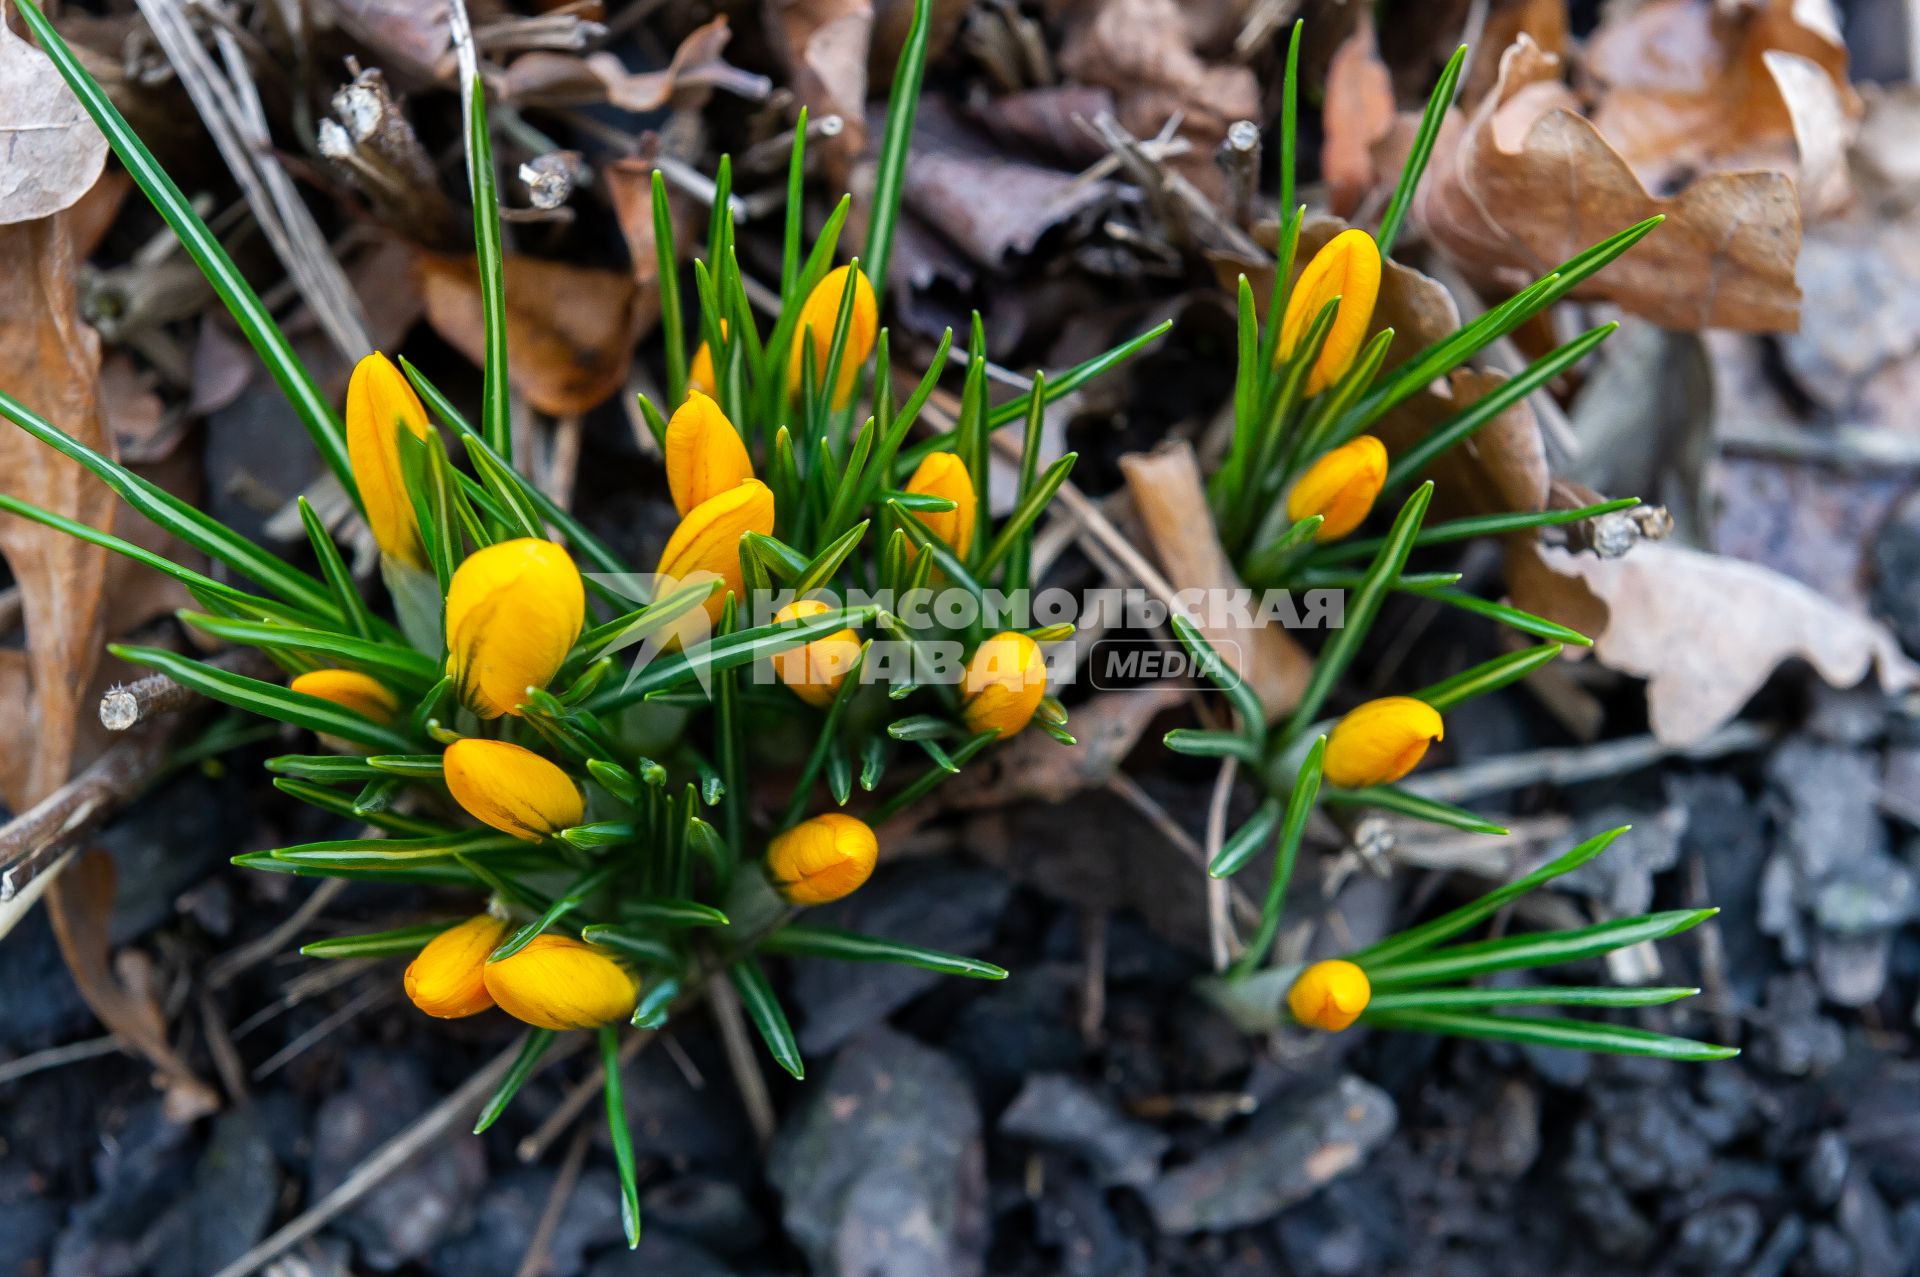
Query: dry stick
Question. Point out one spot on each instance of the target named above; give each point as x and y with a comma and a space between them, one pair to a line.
575, 1101
58, 823
226, 1060
1581, 762
225, 969
534, 1262
1221, 941
368, 998
392, 1156
59, 1056
741, 1059
127, 705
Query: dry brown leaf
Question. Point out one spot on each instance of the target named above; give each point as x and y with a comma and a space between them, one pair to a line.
824, 45
1172, 502
1544, 20
988, 205
547, 78
1525, 183
409, 35
571, 328
1704, 630
1691, 86
1108, 726
54, 151
1359, 112
1044, 121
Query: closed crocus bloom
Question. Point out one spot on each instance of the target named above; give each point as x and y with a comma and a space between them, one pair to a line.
1329, 995
944, 475
350, 689
380, 404
513, 612
512, 789
1004, 684
704, 454
816, 670
559, 983
1340, 487
1347, 268
708, 539
822, 859
1380, 742
817, 318
700, 375
448, 977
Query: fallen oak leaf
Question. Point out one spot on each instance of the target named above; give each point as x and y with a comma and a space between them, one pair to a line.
824, 45
544, 77
571, 328
1525, 183
54, 152
1706, 631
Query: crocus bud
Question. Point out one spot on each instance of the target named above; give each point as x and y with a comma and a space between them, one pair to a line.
708, 540
1340, 487
817, 318
512, 789
704, 454
944, 475
700, 375
559, 983
1347, 268
350, 689
822, 859
816, 670
1329, 995
513, 612
380, 404
1380, 742
1004, 683
448, 979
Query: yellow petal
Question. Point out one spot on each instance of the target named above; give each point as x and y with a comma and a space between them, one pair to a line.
815, 671
1004, 684
513, 612
1340, 487
942, 474
822, 859
1329, 995
817, 318
700, 373
511, 789
380, 404
704, 454
1380, 741
708, 540
350, 689
447, 978
559, 983
1347, 268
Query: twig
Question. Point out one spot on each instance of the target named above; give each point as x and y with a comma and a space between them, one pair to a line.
226, 1060
741, 1059
1581, 763
224, 969
1093, 997
1221, 941
59, 1056
555, 1124
393, 1155
1239, 158
368, 998
534, 1262
58, 823
126, 705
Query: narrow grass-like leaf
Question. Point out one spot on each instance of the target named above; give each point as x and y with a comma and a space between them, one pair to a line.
532, 1047
1535, 949
380, 853
923, 784
1245, 842
1578, 1035
490, 258
1482, 525
823, 742
268, 699
416, 670
633, 943
1431, 810
1417, 939
377, 944
575, 896
621, 1138
333, 569
1537, 995
331, 800
1306, 787
1239, 693
890, 174
661, 911
1488, 676
728, 652
851, 946
1019, 523
656, 1003
1511, 617
1196, 743
764, 1010
1423, 139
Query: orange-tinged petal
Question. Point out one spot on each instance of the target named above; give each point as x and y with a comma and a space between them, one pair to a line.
380, 403
815, 671
559, 983
822, 859
942, 474
447, 977
1379, 742
513, 612
705, 456
1004, 684
1329, 995
1348, 267
817, 318
362, 693
511, 789
1340, 487
700, 375
708, 540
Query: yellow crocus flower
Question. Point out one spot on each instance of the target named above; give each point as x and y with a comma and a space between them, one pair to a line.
559, 983
1329, 995
350, 689
942, 474
705, 456
1379, 742
511, 789
1347, 268
815, 670
513, 612
1004, 684
822, 859
1340, 487
447, 978
708, 540
817, 318
380, 404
